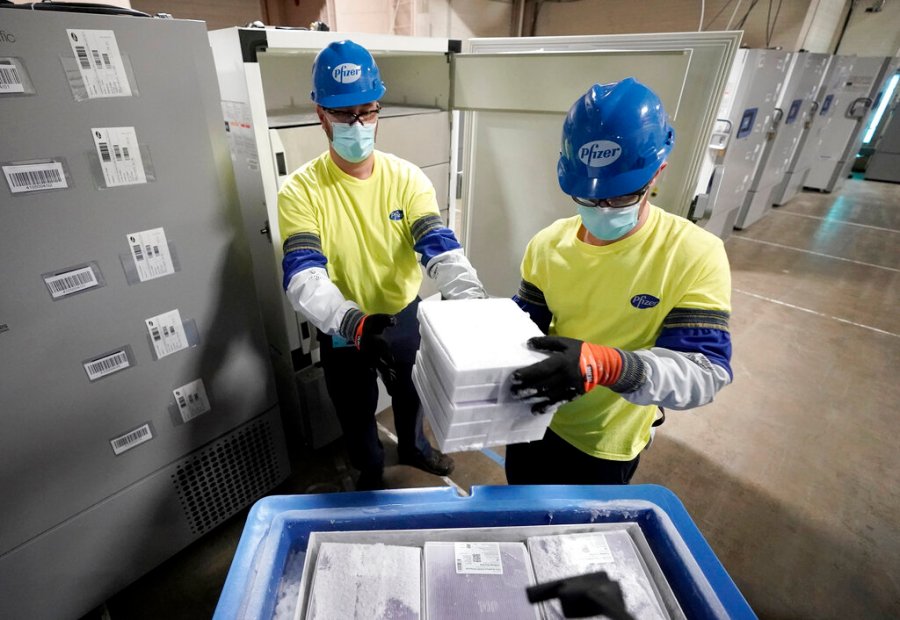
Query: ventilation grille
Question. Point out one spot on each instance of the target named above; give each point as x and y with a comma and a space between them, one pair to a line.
227, 476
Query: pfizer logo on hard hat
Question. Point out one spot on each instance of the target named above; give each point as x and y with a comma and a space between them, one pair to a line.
599, 153
346, 73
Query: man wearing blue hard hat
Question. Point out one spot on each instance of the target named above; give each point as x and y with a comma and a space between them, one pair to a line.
352, 221
636, 301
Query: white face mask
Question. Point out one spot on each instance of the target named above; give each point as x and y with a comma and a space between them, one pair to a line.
607, 223
353, 142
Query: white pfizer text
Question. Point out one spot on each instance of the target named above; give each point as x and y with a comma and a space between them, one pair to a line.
599, 153
346, 73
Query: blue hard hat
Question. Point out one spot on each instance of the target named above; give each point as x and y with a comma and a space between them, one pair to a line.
614, 139
344, 74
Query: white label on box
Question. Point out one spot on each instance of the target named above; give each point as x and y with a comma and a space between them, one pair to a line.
120, 155
107, 365
167, 333
71, 282
478, 559
130, 440
150, 251
35, 177
10, 81
99, 62
586, 549
191, 399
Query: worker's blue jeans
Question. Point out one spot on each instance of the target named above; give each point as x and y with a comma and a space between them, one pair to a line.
354, 392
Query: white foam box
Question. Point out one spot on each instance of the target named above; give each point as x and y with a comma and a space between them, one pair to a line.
376, 581
614, 552
476, 344
476, 425
477, 580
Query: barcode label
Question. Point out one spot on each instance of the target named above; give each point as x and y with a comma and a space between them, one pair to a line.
191, 399
586, 550
130, 440
107, 365
150, 250
120, 156
10, 80
167, 333
70, 282
99, 63
478, 558
104, 152
35, 177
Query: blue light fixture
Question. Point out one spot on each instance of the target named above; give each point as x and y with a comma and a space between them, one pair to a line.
882, 106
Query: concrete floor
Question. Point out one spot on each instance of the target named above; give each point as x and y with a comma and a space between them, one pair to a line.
791, 474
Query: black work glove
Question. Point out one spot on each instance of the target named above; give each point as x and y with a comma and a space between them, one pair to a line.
573, 368
370, 341
583, 596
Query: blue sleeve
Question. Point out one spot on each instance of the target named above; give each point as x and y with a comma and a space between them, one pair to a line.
531, 299
301, 251
691, 330
432, 238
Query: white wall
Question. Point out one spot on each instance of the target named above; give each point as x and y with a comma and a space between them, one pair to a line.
873, 34
825, 19
464, 19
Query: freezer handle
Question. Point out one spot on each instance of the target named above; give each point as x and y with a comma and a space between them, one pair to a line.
811, 114
854, 112
777, 115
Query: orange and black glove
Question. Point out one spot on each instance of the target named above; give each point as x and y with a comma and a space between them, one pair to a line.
370, 341
574, 368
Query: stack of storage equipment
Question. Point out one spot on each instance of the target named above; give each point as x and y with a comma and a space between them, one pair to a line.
469, 350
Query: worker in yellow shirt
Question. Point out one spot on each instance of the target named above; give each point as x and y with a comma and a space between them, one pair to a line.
636, 301
352, 222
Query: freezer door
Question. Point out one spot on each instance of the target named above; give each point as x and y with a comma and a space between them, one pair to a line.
845, 106
515, 94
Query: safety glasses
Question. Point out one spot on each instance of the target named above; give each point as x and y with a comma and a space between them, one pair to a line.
615, 202
346, 116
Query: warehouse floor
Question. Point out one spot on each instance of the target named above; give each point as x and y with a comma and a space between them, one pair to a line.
791, 474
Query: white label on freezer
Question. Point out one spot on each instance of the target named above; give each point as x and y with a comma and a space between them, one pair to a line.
100, 64
586, 549
120, 155
192, 400
35, 177
10, 81
70, 282
128, 441
150, 251
167, 333
239, 129
107, 365
478, 558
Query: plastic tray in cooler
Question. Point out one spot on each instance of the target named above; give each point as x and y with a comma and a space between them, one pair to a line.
264, 579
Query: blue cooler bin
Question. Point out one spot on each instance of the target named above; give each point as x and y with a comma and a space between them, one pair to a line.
278, 530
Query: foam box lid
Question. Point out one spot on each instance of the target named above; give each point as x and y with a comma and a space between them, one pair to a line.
483, 340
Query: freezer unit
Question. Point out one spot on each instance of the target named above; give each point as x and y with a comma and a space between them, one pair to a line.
139, 405
738, 142
884, 163
789, 128
847, 97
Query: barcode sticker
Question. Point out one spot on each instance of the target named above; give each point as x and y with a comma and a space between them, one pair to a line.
10, 80
478, 558
129, 440
191, 399
167, 333
70, 282
150, 252
120, 156
35, 177
100, 63
584, 550
107, 365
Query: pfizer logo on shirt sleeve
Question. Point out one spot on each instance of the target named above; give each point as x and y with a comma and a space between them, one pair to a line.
346, 73
599, 153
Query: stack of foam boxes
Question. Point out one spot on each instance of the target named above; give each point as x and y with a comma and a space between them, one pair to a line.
463, 369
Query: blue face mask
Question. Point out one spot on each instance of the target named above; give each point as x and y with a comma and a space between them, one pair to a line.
353, 142
607, 223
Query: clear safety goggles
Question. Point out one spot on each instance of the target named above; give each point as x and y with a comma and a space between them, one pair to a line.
367, 117
615, 202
